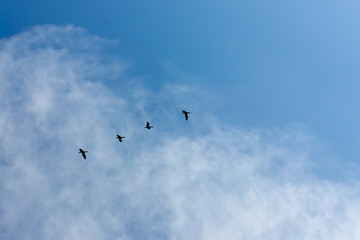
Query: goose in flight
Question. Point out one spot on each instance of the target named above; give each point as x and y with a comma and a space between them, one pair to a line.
83, 153
119, 137
186, 114
148, 126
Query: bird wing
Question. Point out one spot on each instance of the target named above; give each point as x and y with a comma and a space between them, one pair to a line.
84, 156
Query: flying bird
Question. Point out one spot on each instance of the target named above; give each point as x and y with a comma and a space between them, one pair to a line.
186, 114
83, 153
119, 137
148, 126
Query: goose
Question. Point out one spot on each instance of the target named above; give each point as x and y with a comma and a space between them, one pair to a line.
186, 114
83, 153
119, 137
148, 126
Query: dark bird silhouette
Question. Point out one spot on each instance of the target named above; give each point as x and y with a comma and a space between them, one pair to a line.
119, 137
186, 114
83, 153
148, 125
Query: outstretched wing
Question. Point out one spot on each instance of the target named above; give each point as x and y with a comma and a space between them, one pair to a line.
83, 154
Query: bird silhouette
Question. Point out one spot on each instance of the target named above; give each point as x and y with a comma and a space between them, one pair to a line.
148, 126
186, 114
83, 153
119, 137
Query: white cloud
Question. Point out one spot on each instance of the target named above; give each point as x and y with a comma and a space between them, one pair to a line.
168, 183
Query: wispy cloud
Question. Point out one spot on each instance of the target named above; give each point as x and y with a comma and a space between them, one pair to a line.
227, 183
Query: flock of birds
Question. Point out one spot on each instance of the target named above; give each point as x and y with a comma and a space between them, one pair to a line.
148, 126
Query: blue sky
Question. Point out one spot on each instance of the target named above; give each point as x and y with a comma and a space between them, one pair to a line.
273, 91
271, 63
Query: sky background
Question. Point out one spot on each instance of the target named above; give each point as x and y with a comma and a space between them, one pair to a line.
273, 91
270, 63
